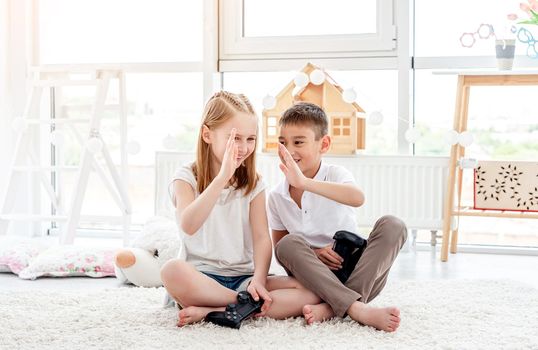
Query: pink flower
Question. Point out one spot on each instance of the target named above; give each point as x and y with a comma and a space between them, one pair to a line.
532, 5
531, 9
524, 7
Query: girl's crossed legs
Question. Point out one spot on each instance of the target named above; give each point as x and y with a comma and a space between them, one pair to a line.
199, 294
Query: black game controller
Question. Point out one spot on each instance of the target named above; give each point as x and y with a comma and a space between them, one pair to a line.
350, 247
236, 313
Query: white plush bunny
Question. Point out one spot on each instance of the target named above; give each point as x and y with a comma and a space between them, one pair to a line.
141, 263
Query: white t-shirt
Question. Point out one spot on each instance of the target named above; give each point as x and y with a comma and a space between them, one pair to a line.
319, 218
223, 245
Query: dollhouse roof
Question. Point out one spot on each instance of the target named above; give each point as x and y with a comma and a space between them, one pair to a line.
330, 83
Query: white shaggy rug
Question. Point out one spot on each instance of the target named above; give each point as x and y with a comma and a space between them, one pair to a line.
455, 314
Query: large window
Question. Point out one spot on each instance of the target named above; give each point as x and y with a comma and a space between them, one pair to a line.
308, 18
163, 114
102, 31
158, 44
438, 27
259, 41
503, 120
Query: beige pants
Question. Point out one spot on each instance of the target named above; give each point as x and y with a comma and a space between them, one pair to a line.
367, 279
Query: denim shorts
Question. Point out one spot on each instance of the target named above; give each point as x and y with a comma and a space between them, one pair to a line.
237, 283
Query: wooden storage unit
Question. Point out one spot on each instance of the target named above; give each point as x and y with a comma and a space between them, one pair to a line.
465, 81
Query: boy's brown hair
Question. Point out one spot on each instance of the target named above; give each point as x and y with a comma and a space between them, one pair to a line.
309, 114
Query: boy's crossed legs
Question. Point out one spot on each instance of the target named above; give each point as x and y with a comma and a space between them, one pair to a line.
200, 294
364, 284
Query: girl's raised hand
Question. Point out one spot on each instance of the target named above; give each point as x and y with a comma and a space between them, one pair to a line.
229, 159
291, 170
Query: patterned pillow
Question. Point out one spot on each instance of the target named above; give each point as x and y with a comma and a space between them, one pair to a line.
17, 252
64, 261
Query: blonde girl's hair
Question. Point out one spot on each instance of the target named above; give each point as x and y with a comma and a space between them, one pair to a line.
219, 109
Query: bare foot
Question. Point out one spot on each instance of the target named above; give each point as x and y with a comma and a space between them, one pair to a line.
193, 314
386, 318
317, 313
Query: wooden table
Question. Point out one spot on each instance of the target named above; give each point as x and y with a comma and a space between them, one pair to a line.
466, 79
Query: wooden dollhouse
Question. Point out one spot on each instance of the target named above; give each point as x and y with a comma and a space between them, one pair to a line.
346, 120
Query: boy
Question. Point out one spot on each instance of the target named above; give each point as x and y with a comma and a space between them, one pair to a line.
308, 207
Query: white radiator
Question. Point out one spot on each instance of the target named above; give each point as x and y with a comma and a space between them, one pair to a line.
411, 188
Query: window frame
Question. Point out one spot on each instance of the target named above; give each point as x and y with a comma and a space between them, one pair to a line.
233, 45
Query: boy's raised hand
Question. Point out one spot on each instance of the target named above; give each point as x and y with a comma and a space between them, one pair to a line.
291, 170
229, 159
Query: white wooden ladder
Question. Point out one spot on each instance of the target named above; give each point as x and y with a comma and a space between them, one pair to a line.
26, 155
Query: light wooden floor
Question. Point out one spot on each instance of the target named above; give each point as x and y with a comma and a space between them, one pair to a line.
410, 265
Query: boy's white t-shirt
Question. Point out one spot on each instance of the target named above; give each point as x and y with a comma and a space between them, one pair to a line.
319, 218
223, 245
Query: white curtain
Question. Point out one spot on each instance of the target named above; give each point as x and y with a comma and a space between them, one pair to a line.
5, 137
13, 73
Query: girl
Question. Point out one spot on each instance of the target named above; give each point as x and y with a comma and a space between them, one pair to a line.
220, 209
